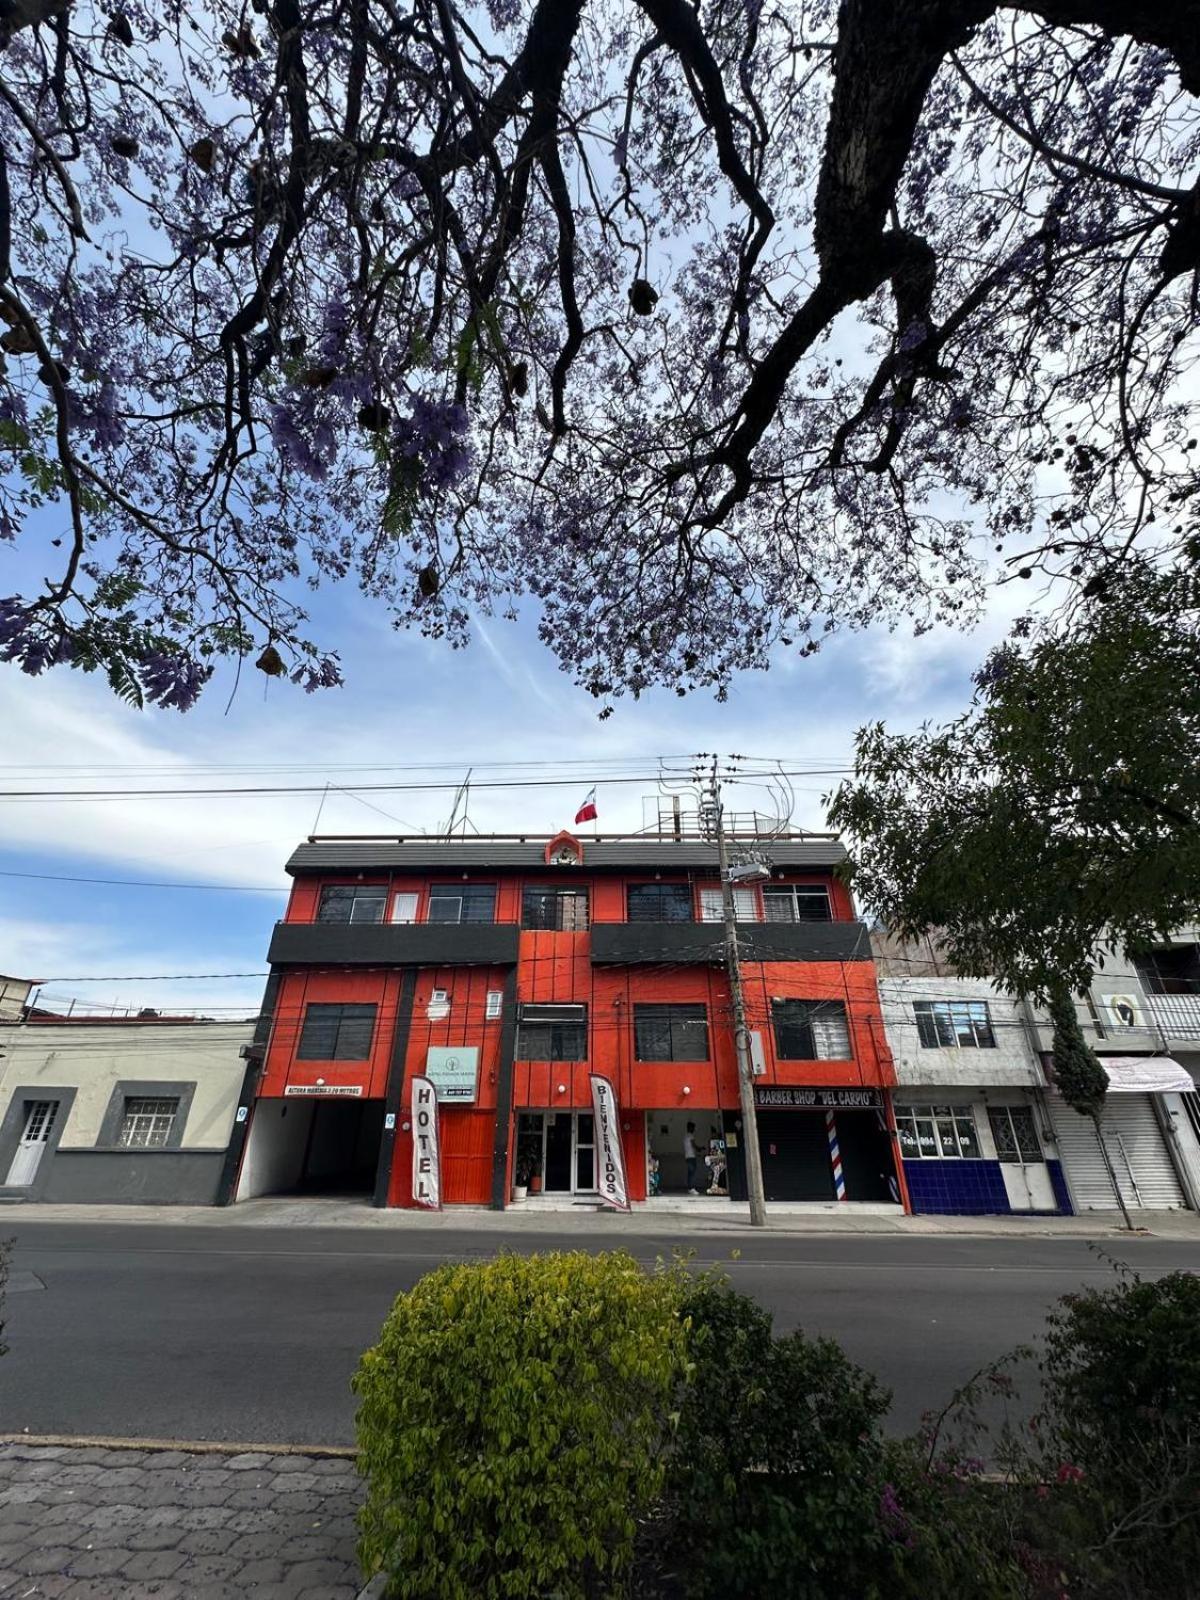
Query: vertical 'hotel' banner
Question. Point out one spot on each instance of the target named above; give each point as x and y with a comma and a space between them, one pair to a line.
427, 1152
610, 1158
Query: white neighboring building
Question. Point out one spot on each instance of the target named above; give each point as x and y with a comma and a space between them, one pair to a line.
974, 1131
128, 1111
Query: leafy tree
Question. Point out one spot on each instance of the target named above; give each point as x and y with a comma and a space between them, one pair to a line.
709, 327
1062, 810
1080, 1078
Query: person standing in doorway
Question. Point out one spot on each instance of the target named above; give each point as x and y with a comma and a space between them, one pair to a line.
689, 1155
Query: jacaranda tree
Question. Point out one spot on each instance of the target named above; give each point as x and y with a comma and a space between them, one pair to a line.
711, 327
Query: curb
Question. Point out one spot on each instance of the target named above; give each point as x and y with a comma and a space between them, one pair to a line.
193, 1447
374, 1590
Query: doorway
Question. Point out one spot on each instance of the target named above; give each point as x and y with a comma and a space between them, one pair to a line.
560, 1147
40, 1116
296, 1146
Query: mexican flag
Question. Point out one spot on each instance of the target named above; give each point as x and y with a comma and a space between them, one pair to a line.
587, 811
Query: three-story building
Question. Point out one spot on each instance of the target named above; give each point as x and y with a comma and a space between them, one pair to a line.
508, 969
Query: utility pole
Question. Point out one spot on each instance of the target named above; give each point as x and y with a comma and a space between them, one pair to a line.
713, 808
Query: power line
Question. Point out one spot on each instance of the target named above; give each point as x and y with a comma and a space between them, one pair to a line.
147, 883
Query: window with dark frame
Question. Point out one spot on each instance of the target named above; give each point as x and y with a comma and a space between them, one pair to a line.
561, 908
660, 902
954, 1024
352, 902
147, 1123
1015, 1134
670, 1032
336, 1032
796, 902
552, 1033
462, 902
937, 1133
811, 1030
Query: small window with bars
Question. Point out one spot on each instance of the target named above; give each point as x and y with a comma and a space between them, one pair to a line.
352, 902
336, 1033
462, 902
797, 902
552, 1033
561, 908
811, 1030
954, 1024
660, 902
147, 1123
1016, 1135
670, 1033
937, 1133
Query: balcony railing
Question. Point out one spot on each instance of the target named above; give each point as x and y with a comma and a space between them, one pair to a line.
1178, 1015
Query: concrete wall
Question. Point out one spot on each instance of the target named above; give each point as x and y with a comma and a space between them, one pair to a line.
94, 1057
14, 992
275, 1148
1013, 1063
134, 1177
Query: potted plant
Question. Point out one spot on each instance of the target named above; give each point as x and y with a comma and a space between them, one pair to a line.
520, 1180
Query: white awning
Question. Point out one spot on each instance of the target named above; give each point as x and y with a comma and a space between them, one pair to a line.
1146, 1075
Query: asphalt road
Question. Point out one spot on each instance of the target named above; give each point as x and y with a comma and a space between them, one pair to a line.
203, 1332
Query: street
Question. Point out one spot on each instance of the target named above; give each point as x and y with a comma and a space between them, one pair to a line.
250, 1333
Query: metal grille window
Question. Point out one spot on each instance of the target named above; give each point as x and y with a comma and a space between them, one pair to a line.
147, 1124
564, 909
660, 902
553, 1033
712, 905
954, 1024
1015, 1133
462, 902
352, 902
797, 902
336, 1033
937, 1133
670, 1033
811, 1030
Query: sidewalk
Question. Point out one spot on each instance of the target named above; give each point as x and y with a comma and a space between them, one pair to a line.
703, 1216
98, 1523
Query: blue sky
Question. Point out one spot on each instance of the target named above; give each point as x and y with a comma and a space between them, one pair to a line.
407, 701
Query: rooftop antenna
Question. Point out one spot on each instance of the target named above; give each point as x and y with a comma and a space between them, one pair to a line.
459, 811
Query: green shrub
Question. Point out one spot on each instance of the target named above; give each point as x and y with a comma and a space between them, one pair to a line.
511, 1425
782, 1485
1115, 1452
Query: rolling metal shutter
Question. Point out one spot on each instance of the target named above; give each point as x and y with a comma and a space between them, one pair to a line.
1136, 1148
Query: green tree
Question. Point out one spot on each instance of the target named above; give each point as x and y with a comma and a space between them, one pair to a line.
1061, 813
1081, 1079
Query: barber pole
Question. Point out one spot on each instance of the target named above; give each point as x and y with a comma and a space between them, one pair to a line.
427, 1152
835, 1156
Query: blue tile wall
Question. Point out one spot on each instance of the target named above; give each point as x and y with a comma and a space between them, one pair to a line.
1054, 1168
965, 1187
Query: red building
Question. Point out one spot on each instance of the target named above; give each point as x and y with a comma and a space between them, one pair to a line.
508, 968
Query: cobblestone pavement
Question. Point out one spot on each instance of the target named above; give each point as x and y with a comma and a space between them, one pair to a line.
104, 1524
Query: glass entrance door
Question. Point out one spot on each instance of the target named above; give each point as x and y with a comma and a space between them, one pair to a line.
585, 1152
558, 1153
561, 1147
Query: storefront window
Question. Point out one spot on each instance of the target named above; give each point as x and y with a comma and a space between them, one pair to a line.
937, 1133
1015, 1134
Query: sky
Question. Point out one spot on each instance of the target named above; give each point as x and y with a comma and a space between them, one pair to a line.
407, 702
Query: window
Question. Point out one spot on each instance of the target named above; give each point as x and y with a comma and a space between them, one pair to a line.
811, 1030
670, 1033
563, 908
147, 1124
352, 902
937, 1133
954, 1024
1015, 1134
404, 906
462, 902
494, 1006
1175, 969
660, 902
712, 905
797, 902
553, 1033
336, 1033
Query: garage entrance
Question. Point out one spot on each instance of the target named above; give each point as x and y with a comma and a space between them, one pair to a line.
312, 1147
